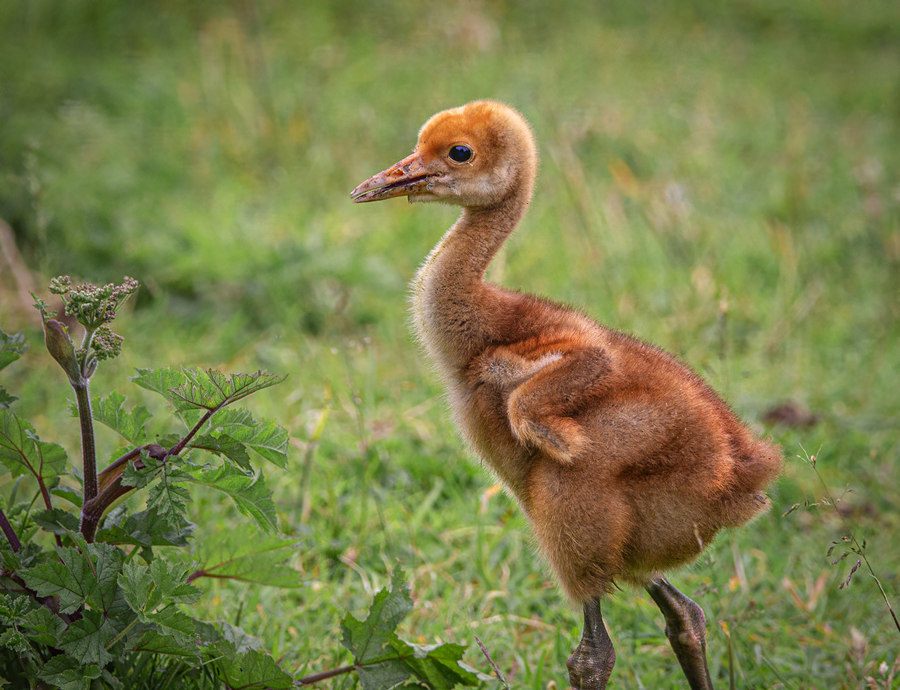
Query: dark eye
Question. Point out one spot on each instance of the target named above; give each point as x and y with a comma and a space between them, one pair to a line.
460, 154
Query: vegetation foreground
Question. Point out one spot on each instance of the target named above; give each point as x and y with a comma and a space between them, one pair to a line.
721, 182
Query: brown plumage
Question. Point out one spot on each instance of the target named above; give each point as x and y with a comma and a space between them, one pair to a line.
625, 462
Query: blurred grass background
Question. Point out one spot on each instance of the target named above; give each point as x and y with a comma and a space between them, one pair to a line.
721, 179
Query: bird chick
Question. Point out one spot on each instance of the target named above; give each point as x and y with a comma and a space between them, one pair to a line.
625, 462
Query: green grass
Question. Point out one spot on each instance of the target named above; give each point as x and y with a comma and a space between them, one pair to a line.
721, 179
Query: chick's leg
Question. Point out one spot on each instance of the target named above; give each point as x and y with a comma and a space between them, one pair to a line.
686, 630
542, 408
591, 664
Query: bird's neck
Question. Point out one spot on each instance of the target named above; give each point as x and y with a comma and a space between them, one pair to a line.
456, 313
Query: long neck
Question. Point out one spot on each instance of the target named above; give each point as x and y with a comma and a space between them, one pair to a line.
456, 313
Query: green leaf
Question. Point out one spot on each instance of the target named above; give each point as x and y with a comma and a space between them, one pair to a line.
250, 493
385, 674
168, 498
139, 478
110, 410
57, 521
157, 643
245, 555
163, 381
265, 437
146, 528
13, 639
386, 661
173, 622
137, 584
254, 670
12, 346
238, 639
67, 674
370, 639
86, 639
42, 626
22, 451
79, 577
160, 584
6, 399
203, 389
107, 562
438, 665
68, 494
12, 608
224, 445
68, 578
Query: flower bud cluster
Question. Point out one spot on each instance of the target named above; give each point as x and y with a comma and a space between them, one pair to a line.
92, 305
106, 344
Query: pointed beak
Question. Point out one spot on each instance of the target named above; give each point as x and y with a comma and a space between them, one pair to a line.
404, 178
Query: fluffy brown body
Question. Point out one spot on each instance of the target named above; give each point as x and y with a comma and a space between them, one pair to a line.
625, 462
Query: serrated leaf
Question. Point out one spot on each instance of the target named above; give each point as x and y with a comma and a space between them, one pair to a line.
438, 666
6, 399
384, 675
139, 478
14, 640
22, 451
12, 608
203, 389
42, 626
264, 437
254, 670
68, 494
162, 381
240, 641
370, 639
168, 497
175, 623
246, 555
224, 445
68, 579
157, 643
160, 584
12, 346
79, 577
250, 494
86, 639
110, 410
171, 580
67, 674
146, 528
137, 584
56, 520
106, 562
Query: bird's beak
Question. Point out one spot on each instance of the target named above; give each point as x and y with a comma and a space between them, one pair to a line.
404, 178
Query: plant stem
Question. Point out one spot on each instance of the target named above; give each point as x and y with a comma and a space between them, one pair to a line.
178, 447
325, 675
858, 549
88, 451
122, 634
9, 532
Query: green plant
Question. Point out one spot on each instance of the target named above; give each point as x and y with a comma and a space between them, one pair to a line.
848, 543
100, 600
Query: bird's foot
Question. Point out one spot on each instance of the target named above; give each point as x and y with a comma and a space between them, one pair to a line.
590, 666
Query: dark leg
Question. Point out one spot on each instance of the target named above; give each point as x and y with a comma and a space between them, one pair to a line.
592, 661
686, 630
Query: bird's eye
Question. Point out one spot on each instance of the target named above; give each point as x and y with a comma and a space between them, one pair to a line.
460, 154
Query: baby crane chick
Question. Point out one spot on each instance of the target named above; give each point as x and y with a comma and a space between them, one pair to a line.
625, 462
